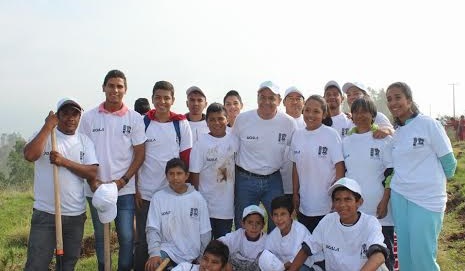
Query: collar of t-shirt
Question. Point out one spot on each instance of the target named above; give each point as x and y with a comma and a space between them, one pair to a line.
410, 119
124, 109
203, 117
173, 116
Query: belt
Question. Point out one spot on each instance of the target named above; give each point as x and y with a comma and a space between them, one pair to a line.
254, 174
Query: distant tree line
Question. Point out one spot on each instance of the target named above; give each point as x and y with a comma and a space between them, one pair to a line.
14, 169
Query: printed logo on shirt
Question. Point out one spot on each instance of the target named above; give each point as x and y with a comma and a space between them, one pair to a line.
418, 142
344, 131
322, 151
374, 153
165, 213
95, 130
81, 156
252, 137
126, 129
332, 248
150, 140
282, 138
194, 212
363, 251
46, 153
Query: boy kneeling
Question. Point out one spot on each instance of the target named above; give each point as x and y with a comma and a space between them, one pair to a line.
349, 239
178, 224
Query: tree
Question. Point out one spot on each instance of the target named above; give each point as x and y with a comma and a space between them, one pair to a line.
21, 171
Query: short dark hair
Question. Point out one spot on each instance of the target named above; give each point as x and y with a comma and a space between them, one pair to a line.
219, 249
214, 108
232, 93
343, 188
282, 202
365, 104
176, 162
142, 106
164, 85
115, 74
324, 107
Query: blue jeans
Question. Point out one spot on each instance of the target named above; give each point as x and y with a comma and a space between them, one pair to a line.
124, 222
42, 240
141, 252
253, 190
220, 227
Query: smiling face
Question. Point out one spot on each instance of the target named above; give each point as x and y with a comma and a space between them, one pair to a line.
177, 178
233, 106
282, 219
346, 205
211, 262
398, 103
115, 90
253, 225
334, 98
196, 103
268, 103
162, 100
217, 122
362, 119
313, 114
294, 103
353, 94
68, 119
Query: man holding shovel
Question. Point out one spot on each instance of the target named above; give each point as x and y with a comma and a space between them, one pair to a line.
76, 160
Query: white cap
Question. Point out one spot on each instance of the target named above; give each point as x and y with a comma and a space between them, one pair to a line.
332, 83
253, 209
291, 90
195, 88
69, 101
104, 200
270, 85
348, 85
269, 262
350, 184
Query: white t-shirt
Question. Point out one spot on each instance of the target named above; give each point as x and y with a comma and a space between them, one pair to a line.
345, 247
315, 154
285, 248
213, 158
179, 219
160, 147
241, 248
198, 128
286, 169
114, 137
77, 148
342, 124
262, 143
366, 159
382, 121
186, 267
418, 174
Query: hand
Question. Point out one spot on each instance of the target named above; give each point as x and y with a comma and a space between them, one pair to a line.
94, 184
57, 159
296, 201
138, 199
152, 263
120, 183
382, 209
51, 121
287, 265
381, 133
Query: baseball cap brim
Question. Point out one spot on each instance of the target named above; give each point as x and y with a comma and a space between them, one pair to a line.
348, 183
195, 89
348, 85
69, 102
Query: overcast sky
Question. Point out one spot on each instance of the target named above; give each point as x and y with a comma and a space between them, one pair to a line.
54, 49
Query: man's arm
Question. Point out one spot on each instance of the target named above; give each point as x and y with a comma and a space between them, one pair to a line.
83, 171
375, 260
34, 149
195, 179
137, 161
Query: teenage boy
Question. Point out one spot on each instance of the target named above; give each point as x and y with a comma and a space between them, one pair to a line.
294, 103
334, 98
196, 103
163, 143
349, 239
263, 134
118, 135
215, 258
285, 241
178, 225
76, 160
212, 170
247, 243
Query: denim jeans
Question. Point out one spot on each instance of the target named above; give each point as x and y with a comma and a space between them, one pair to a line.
220, 227
124, 222
253, 190
42, 240
141, 254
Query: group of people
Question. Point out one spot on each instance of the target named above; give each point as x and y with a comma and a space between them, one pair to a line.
351, 179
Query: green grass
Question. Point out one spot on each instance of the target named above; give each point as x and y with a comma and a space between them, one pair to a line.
16, 210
